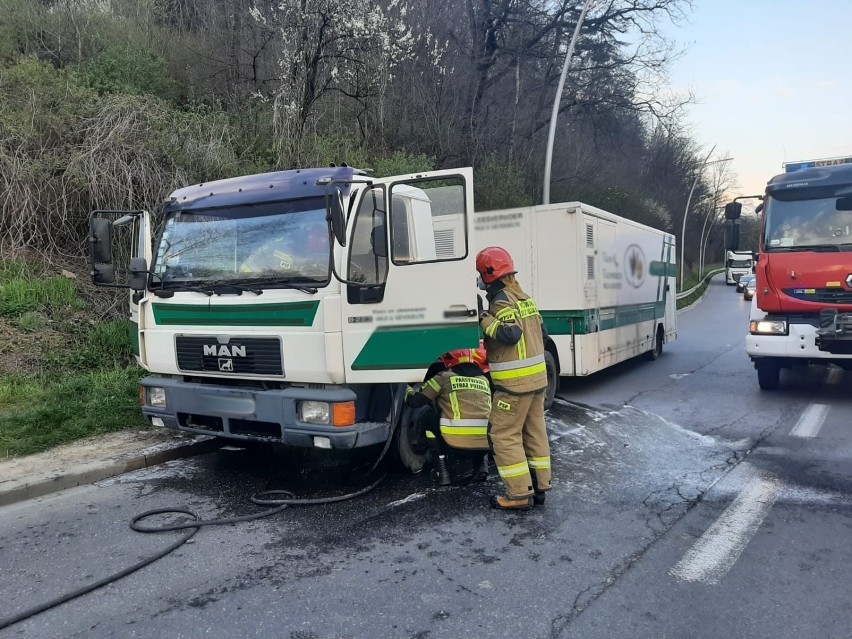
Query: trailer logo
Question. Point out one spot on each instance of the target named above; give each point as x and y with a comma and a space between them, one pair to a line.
634, 265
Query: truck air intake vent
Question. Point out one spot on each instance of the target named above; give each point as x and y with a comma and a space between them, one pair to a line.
242, 356
821, 295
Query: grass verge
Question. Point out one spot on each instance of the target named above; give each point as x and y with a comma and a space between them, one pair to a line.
64, 376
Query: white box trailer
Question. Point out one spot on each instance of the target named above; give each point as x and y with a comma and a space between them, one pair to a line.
605, 285
315, 349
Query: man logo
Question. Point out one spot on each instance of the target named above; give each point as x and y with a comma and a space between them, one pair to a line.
226, 365
223, 350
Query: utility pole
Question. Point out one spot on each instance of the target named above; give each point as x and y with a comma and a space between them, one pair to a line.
551, 136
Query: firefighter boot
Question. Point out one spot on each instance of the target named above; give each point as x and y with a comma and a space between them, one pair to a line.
480, 469
501, 502
440, 473
538, 495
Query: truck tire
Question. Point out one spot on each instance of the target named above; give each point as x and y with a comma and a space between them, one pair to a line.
768, 374
655, 352
552, 380
408, 448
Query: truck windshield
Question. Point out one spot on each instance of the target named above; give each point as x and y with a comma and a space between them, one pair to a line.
739, 263
817, 222
281, 242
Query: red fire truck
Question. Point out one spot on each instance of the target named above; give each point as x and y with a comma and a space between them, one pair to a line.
802, 310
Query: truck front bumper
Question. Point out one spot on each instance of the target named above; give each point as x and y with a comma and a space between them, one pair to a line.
270, 415
801, 342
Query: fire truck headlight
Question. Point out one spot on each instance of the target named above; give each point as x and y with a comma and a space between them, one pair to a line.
154, 396
768, 327
315, 412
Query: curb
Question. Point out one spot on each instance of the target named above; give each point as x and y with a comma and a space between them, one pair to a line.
84, 474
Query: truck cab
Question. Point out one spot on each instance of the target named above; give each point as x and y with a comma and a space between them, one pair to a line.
802, 310
294, 306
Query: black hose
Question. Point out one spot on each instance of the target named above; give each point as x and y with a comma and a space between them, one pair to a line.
262, 498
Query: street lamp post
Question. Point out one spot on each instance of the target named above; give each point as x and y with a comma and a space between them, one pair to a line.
551, 136
686, 211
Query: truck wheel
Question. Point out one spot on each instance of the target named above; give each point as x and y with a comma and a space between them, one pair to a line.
768, 374
409, 444
655, 352
552, 380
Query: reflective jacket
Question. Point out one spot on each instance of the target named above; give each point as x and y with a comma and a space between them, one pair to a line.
465, 404
514, 338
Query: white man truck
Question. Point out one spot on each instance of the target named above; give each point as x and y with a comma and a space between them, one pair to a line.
737, 264
319, 357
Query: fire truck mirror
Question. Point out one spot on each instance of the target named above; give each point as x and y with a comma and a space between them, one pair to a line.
732, 236
733, 210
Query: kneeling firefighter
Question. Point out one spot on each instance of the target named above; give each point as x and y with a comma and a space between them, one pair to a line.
459, 425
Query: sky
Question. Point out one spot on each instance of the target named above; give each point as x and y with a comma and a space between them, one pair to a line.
773, 79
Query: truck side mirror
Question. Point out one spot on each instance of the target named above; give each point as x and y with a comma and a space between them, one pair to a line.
732, 236
137, 279
380, 247
337, 216
103, 273
101, 240
733, 210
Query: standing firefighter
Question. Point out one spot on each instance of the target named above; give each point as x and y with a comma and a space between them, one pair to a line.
463, 397
514, 340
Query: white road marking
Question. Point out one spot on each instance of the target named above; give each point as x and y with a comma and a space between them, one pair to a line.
811, 421
718, 548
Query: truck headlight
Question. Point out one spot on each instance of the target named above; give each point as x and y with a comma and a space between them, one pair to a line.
315, 412
768, 327
154, 396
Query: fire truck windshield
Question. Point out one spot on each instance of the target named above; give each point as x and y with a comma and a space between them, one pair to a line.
812, 223
286, 241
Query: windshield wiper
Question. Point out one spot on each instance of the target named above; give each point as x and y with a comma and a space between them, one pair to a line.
169, 290
220, 287
286, 283
813, 247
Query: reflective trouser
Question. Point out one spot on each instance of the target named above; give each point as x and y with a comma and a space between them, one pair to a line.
519, 438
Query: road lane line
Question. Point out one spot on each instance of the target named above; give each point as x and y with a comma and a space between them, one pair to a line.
718, 548
811, 421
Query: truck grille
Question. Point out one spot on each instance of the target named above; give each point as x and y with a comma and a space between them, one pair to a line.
821, 295
239, 356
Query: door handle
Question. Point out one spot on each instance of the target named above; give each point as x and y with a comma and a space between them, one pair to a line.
460, 312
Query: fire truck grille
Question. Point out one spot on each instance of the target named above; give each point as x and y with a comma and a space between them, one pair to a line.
821, 295
242, 356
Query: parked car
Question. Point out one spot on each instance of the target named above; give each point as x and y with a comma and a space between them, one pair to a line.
749, 287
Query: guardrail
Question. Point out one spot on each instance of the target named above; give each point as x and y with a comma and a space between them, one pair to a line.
710, 274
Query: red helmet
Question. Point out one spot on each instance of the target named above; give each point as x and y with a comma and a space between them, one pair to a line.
466, 356
493, 263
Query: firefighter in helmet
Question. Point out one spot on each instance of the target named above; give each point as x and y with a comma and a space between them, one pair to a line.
514, 339
462, 394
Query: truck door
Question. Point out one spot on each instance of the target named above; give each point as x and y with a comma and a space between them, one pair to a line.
410, 267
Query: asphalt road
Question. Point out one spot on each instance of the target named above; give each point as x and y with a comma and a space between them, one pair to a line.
686, 503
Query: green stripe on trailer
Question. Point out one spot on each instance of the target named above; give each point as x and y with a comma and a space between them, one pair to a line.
414, 346
284, 314
662, 269
584, 322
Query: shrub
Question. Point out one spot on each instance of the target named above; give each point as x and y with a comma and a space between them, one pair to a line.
129, 70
